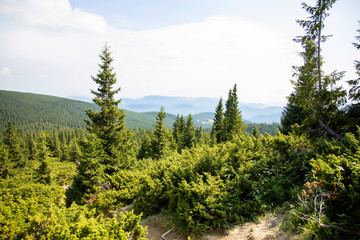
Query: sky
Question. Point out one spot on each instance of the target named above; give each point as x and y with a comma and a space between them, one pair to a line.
188, 48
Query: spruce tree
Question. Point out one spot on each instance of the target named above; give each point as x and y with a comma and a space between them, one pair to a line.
12, 141
291, 115
31, 147
232, 123
109, 123
43, 155
160, 142
90, 176
189, 133
145, 147
199, 135
5, 163
255, 131
74, 151
217, 128
315, 92
178, 131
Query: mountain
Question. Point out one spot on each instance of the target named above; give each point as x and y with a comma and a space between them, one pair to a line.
252, 112
35, 111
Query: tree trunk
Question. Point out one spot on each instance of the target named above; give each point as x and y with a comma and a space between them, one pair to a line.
329, 130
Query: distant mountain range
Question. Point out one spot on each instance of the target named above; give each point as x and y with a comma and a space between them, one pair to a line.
252, 112
34, 111
30, 111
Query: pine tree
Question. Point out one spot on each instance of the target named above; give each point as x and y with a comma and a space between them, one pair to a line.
291, 114
217, 128
109, 123
178, 127
255, 131
31, 147
12, 141
199, 135
145, 147
315, 92
75, 152
178, 131
89, 177
189, 133
232, 123
56, 144
43, 155
5, 163
159, 141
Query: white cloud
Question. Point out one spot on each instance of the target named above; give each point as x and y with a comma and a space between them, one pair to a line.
5, 72
207, 58
52, 14
196, 59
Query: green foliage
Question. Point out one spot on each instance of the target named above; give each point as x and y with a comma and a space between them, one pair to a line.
35, 112
217, 129
109, 123
43, 156
32, 205
48, 219
233, 124
291, 115
161, 139
90, 175
12, 143
206, 187
227, 124
317, 94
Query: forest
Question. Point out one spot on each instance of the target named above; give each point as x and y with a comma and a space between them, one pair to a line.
61, 181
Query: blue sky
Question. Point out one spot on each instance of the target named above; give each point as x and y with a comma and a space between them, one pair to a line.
173, 48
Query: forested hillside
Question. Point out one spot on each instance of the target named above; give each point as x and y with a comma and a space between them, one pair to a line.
72, 183
36, 111
30, 111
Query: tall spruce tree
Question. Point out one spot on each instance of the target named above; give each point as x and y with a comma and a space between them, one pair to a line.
5, 163
12, 142
109, 123
43, 155
178, 128
160, 139
315, 92
189, 133
232, 123
217, 128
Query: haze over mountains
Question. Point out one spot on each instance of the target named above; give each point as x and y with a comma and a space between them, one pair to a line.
251, 112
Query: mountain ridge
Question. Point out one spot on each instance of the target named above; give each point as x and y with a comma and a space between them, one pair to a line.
252, 112
33, 111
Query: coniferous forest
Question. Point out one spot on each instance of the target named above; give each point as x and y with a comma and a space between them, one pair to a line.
71, 181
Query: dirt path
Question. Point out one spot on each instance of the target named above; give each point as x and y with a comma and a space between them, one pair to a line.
264, 229
267, 228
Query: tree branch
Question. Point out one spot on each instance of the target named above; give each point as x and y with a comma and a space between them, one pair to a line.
329, 130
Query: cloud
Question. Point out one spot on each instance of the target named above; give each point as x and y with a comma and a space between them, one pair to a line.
51, 14
54, 49
207, 58
5, 72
